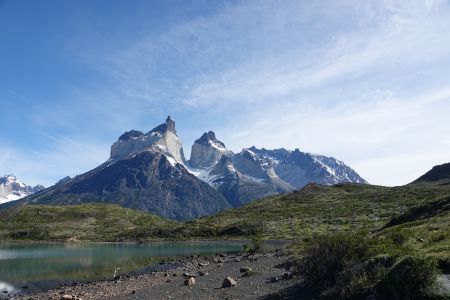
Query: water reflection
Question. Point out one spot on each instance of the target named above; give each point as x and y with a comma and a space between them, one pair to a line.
6, 287
24, 263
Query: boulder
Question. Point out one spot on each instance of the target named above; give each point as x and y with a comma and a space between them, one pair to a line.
228, 282
190, 281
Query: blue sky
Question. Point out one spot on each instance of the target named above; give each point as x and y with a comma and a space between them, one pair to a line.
367, 82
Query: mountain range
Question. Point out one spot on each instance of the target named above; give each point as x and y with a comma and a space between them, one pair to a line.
12, 189
149, 172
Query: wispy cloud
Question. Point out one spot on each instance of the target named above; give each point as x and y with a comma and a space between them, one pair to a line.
364, 81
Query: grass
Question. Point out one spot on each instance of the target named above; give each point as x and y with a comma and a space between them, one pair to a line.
87, 222
425, 228
341, 208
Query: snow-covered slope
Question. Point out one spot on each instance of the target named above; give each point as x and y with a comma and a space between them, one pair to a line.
254, 173
12, 189
300, 168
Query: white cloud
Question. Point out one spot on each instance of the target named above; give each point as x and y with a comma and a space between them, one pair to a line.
66, 157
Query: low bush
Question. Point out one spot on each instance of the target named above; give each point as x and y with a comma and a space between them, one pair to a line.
410, 278
351, 266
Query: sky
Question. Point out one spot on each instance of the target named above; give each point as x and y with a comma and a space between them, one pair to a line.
367, 82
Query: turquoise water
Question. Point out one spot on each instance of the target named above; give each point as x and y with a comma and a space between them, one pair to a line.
36, 264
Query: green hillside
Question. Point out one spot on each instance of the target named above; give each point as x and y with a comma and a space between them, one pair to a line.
89, 222
321, 209
425, 227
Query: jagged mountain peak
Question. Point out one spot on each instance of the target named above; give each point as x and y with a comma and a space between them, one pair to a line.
209, 138
130, 135
207, 150
247, 152
162, 138
169, 125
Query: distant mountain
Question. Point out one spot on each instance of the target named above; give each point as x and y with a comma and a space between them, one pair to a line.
300, 168
149, 172
440, 173
12, 189
254, 173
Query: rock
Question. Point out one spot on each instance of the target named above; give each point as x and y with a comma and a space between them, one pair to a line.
228, 282
222, 255
133, 292
65, 297
200, 264
202, 273
190, 281
189, 275
245, 269
287, 275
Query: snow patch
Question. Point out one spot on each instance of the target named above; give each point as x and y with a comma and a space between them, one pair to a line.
171, 160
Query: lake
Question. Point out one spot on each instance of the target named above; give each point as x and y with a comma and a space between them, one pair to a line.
35, 266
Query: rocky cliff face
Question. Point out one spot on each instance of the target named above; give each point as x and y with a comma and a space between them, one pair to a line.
162, 138
207, 150
12, 189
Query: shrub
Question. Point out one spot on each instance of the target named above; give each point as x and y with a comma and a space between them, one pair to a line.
256, 245
349, 267
399, 236
410, 278
336, 266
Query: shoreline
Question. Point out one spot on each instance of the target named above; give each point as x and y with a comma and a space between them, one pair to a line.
168, 282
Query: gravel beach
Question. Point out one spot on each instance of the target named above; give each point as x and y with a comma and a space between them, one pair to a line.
262, 276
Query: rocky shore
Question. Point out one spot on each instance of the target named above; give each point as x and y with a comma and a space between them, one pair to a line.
235, 276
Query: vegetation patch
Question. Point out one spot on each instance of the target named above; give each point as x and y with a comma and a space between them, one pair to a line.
87, 222
358, 267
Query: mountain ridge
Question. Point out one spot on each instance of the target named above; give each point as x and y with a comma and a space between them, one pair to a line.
439, 173
149, 172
